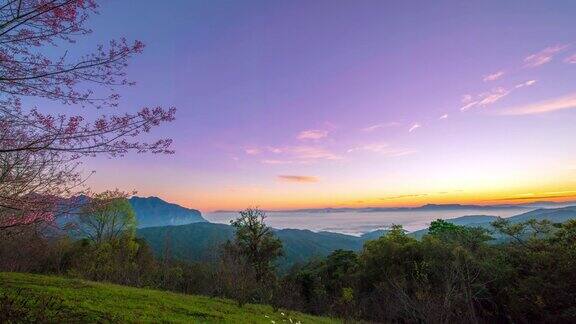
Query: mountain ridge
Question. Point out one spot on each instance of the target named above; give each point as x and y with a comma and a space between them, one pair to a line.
153, 211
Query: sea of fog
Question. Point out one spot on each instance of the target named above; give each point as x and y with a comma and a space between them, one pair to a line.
356, 222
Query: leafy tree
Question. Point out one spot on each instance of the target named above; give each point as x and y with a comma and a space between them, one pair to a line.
468, 237
108, 217
441, 227
256, 242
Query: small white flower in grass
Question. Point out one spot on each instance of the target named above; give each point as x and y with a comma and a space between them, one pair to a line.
281, 313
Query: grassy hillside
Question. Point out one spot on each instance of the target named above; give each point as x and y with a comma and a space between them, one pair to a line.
85, 301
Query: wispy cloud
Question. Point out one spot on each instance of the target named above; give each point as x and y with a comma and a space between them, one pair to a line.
381, 148
493, 96
311, 153
414, 127
379, 126
467, 98
277, 161
404, 196
544, 56
561, 103
571, 59
299, 154
297, 178
252, 151
275, 150
525, 84
445, 116
484, 99
493, 77
312, 134
543, 195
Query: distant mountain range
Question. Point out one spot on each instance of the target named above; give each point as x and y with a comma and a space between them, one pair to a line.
427, 207
555, 215
200, 241
187, 236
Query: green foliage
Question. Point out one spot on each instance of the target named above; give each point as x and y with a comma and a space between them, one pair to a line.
441, 227
109, 216
453, 274
256, 242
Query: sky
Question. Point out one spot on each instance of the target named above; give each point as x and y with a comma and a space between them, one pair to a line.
299, 104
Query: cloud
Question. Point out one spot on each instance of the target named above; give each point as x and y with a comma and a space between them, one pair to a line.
275, 150
571, 59
379, 126
445, 116
312, 134
526, 84
561, 103
252, 151
381, 148
484, 99
414, 127
493, 96
297, 178
311, 153
404, 196
277, 161
468, 105
493, 77
544, 56
301, 155
543, 195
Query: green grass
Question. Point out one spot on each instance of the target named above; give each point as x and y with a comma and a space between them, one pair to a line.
86, 301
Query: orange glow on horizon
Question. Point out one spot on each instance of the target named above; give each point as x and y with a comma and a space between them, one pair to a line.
285, 203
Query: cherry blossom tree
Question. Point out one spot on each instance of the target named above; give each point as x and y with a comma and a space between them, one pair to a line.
40, 152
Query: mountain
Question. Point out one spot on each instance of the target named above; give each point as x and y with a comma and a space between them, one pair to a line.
373, 235
470, 220
200, 242
555, 215
427, 207
550, 204
153, 211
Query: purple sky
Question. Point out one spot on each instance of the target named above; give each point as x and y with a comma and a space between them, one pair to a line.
285, 104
